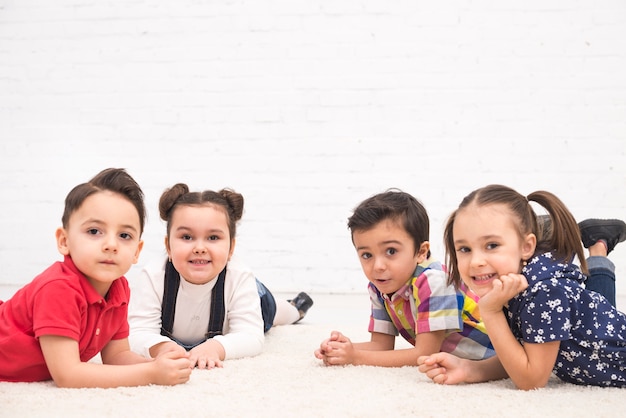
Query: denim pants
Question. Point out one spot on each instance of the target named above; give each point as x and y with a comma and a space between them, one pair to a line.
601, 277
268, 305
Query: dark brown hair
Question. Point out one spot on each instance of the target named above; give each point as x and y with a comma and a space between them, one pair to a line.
561, 236
227, 200
115, 180
394, 205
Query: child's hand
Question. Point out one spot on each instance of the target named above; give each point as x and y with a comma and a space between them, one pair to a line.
171, 346
165, 347
504, 289
206, 355
336, 350
172, 368
443, 368
320, 353
325, 347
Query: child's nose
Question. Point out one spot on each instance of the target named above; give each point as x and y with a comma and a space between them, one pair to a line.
199, 248
110, 244
478, 259
379, 263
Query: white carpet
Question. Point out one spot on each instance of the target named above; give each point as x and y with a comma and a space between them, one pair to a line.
287, 381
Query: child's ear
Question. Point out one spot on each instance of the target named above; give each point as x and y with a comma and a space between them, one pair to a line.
61, 237
139, 248
529, 245
422, 252
167, 246
232, 248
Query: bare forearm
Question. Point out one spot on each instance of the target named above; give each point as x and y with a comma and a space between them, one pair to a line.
372, 346
511, 353
386, 358
88, 375
485, 370
124, 358
67, 370
382, 353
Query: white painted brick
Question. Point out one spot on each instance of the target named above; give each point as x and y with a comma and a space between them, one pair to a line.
307, 108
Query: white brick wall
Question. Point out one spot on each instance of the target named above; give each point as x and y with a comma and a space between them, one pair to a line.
307, 107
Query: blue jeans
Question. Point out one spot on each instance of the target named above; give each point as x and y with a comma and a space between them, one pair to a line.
268, 305
601, 277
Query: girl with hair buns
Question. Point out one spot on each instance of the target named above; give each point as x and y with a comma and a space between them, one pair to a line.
199, 299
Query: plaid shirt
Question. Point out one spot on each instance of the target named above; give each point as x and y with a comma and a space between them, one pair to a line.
426, 304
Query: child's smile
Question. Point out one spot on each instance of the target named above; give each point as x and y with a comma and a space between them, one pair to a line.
200, 262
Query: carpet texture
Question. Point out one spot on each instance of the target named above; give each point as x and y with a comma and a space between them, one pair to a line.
287, 381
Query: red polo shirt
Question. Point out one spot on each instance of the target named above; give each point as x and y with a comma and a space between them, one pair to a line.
60, 301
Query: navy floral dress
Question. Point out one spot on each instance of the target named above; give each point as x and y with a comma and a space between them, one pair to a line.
556, 307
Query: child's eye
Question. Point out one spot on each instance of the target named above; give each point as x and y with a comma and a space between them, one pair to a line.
366, 256
213, 238
93, 231
186, 237
462, 250
492, 246
126, 236
391, 251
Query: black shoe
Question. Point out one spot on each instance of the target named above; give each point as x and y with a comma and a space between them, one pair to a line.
302, 302
611, 231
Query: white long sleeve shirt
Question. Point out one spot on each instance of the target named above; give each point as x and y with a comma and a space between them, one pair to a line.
243, 334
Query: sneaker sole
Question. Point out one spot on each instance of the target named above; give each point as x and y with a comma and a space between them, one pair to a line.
589, 223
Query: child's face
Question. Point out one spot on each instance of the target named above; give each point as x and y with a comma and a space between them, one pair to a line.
488, 245
102, 238
387, 254
199, 242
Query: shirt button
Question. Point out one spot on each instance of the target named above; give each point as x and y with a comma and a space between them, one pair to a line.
399, 311
97, 331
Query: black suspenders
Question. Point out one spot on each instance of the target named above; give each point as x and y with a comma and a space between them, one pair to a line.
168, 305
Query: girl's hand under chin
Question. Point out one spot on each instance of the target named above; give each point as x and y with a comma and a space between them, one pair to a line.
503, 290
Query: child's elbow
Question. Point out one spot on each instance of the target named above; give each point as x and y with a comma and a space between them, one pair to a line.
258, 345
531, 384
65, 382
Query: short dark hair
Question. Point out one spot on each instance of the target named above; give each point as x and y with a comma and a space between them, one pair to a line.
395, 205
115, 180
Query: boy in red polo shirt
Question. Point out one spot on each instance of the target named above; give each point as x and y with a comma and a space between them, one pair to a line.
77, 307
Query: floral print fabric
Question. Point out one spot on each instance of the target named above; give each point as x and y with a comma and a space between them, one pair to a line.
557, 307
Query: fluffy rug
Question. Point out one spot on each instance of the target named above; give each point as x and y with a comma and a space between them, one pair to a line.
287, 381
